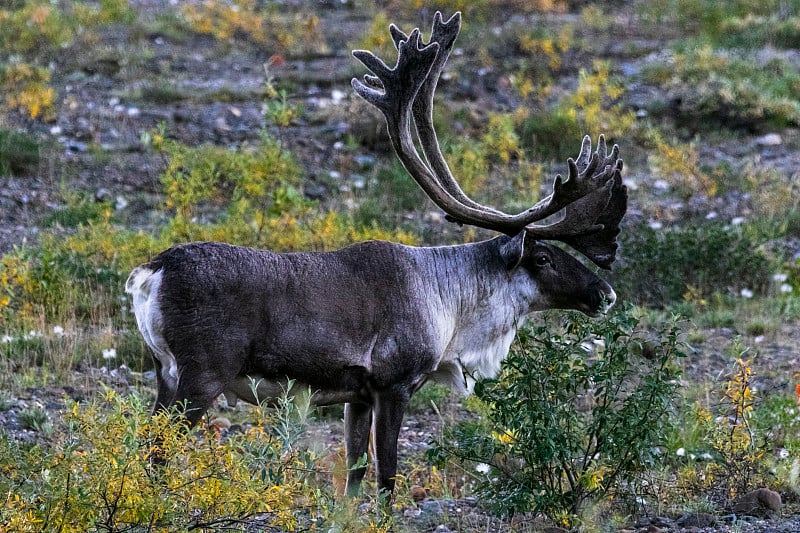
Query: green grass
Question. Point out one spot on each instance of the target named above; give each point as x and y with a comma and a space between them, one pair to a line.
393, 192
77, 211
161, 93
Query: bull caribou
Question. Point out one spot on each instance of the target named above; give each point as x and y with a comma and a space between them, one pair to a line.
370, 324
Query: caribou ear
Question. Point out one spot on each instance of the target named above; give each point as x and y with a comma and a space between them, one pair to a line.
511, 251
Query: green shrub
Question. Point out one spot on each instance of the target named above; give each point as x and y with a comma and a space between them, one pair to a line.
708, 88
573, 414
658, 267
78, 210
550, 134
19, 153
777, 31
711, 19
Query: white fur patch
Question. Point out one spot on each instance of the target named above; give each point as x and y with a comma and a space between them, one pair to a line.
481, 337
143, 285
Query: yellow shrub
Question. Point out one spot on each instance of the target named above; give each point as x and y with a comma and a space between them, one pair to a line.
289, 33
98, 474
552, 47
26, 88
500, 139
595, 103
679, 164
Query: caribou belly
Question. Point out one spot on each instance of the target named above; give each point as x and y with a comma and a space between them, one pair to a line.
256, 389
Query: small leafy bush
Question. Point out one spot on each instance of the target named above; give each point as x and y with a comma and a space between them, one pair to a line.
725, 449
739, 448
252, 182
79, 209
550, 134
19, 153
573, 414
596, 102
679, 163
659, 267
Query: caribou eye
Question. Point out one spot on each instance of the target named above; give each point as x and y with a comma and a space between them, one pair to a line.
542, 260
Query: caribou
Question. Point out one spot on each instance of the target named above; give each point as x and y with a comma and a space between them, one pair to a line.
370, 324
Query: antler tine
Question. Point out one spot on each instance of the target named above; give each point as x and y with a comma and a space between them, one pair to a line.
413, 61
601, 146
586, 151
591, 221
444, 33
400, 87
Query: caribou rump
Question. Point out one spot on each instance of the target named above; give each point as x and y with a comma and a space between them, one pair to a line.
369, 324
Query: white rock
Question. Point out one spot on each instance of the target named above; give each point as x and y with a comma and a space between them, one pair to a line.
770, 139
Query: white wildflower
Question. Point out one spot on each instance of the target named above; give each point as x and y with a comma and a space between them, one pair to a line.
32, 334
746, 293
712, 215
483, 468
109, 353
680, 452
58, 330
780, 277
786, 288
337, 96
783, 453
661, 185
737, 221
655, 224
6, 339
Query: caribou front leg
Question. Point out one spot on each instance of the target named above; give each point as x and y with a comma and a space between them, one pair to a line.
388, 411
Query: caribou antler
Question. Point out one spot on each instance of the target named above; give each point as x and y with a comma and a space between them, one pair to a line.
592, 196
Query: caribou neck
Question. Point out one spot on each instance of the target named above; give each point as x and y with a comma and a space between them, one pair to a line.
473, 282
479, 303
